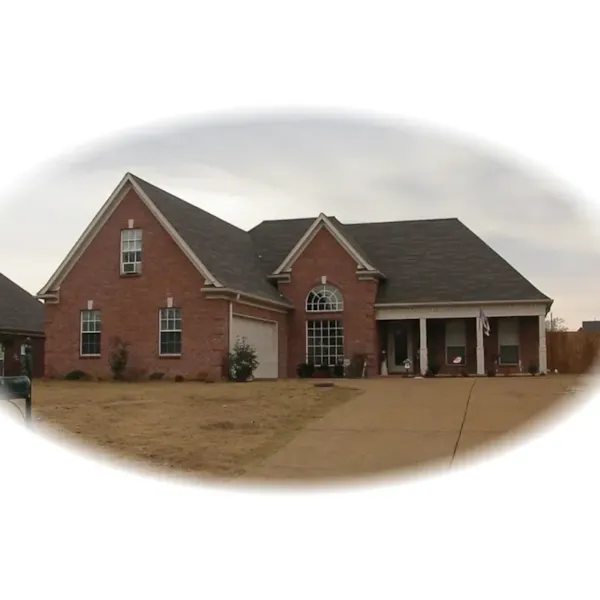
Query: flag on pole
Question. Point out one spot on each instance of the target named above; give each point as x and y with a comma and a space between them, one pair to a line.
484, 322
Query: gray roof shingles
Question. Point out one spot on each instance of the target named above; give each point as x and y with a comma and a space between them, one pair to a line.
19, 310
437, 260
226, 250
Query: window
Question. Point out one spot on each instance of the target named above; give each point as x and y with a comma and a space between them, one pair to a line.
456, 342
90, 333
324, 342
131, 251
169, 332
324, 298
508, 341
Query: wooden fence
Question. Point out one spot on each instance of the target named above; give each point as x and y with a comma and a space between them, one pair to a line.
572, 351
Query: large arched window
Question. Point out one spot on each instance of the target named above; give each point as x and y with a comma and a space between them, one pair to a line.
324, 298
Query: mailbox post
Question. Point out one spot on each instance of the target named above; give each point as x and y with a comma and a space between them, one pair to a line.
19, 387
27, 371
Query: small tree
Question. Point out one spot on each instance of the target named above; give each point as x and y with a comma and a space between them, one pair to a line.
119, 356
243, 361
556, 324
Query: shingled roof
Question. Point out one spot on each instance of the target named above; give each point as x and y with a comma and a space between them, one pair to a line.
19, 310
427, 261
436, 260
226, 250
590, 326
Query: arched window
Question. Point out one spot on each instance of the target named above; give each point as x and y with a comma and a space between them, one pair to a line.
324, 298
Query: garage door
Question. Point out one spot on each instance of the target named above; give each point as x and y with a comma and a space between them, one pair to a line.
263, 336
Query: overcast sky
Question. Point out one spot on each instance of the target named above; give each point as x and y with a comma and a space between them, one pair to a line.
247, 170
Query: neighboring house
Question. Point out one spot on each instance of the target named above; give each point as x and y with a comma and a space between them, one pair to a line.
21, 317
181, 285
590, 326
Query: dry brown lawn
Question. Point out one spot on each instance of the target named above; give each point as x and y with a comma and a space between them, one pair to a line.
195, 428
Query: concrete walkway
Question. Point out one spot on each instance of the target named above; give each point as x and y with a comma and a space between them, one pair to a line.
397, 424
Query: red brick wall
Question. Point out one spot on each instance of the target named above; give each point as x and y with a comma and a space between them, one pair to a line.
282, 327
130, 305
325, 256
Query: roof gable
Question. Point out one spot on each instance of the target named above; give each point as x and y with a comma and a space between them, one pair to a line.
128, 182
331, 225
19, 310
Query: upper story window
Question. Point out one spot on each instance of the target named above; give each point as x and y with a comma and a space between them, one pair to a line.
131, 251
324, 298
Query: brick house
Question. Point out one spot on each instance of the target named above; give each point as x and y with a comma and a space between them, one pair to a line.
21, 317
181, 285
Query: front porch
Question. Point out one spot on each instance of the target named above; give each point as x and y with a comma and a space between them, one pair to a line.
453, 340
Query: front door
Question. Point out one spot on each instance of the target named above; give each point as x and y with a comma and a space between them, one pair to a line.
399, 349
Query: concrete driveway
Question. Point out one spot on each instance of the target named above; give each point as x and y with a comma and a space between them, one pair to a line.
397, 424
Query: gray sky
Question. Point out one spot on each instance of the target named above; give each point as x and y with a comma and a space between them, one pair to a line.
247, 170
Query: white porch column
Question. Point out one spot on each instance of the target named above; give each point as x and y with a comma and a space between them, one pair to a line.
480, 353
423, 359
543, 356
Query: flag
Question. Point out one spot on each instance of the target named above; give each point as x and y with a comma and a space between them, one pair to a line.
484, 322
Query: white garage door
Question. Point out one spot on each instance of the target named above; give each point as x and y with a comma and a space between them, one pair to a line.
263, 336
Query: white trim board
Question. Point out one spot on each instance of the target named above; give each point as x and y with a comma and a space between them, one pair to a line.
322, 222
102, 216
459, 311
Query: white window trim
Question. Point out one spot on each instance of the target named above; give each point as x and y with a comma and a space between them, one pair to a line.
339, 328
455, 345
160, 331
502, 324
333, 290
81, 332
137, 269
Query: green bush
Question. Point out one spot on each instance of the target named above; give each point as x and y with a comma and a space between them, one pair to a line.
76, 375
305, 370
243, 361
119, 356
533, 369
434, 369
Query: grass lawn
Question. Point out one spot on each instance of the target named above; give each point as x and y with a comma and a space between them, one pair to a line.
200, 429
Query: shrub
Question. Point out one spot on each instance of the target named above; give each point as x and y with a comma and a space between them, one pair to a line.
133, 374
533, 369
243, 361
338, 370
465, 373
355, 368
179, 378
433, 370
76, 375
491, 373
305, 370
156, 376
119, 356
